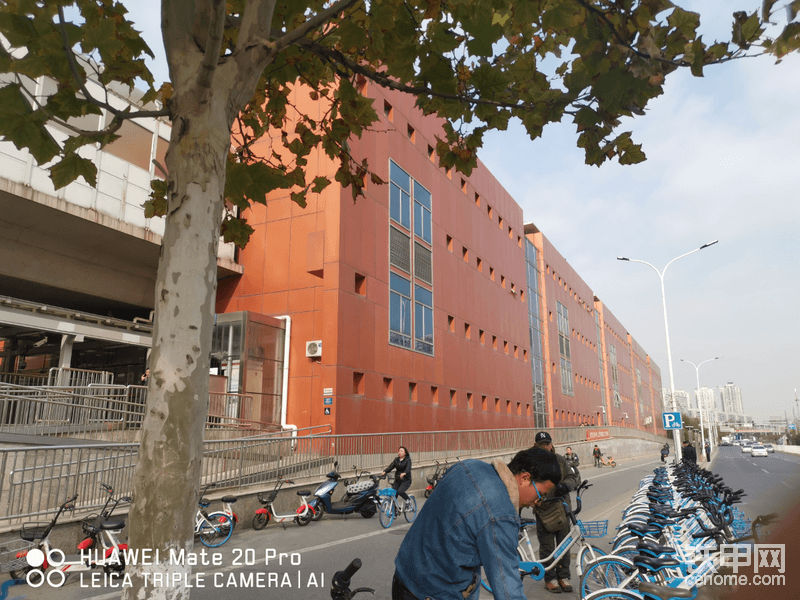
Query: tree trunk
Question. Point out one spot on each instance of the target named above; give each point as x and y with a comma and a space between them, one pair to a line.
168, 471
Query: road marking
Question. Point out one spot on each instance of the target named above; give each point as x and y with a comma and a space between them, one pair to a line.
787, 485
765, 471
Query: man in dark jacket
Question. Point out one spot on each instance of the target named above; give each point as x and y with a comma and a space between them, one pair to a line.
597, 455
689, 453
548, 541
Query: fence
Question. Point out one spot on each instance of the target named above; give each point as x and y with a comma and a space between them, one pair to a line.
34, 481
107, 412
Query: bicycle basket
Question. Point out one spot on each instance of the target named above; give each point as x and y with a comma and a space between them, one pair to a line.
740, 527
33, 531
387, 492
593, 529
267, 497
8, 555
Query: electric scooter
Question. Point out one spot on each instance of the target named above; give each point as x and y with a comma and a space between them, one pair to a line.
361, 496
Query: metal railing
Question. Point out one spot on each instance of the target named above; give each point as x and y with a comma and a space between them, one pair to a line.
65, 376
108, 413
34, 481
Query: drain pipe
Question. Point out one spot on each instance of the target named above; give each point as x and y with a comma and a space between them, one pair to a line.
285, 387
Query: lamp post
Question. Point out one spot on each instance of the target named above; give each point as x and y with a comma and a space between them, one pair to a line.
675, 434
603, 406
700, 403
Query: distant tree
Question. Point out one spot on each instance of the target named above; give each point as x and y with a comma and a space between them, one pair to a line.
232, 64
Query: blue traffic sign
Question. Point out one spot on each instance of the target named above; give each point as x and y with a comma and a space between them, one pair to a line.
672, 420
791, 426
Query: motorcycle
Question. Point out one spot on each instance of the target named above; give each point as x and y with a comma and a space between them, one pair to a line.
360, 496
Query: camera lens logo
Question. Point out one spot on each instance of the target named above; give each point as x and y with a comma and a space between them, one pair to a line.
36, 576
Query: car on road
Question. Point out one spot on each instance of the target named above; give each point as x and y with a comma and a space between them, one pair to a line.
769, 448
746, 447
758, 450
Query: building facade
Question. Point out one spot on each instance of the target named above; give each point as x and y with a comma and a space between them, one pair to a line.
435, 306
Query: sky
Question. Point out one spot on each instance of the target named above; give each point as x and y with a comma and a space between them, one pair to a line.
723, 162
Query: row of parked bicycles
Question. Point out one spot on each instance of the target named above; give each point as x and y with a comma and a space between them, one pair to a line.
672, 536
103, 548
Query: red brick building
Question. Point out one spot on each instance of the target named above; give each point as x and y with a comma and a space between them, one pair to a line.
436, 307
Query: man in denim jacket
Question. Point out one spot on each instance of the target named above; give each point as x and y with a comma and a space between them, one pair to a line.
471, 521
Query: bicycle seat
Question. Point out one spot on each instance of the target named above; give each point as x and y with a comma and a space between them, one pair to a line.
654, 549
115, 524
229, 499
643, 529
655, 564
663, 592
304, 493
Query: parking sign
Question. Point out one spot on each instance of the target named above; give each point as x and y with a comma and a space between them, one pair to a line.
672, 420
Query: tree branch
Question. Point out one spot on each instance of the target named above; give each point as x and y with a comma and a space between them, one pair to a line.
337, 57
216, 26
73, 65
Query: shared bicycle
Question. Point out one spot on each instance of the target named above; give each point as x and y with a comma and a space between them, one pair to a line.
390, 507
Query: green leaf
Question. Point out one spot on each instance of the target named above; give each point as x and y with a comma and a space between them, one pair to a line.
319, 184
69, 168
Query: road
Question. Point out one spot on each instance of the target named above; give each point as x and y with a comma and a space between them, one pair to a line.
294, 563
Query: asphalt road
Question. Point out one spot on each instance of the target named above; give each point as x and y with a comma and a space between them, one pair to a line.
294, 563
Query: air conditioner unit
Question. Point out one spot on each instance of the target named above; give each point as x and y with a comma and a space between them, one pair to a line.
314, 349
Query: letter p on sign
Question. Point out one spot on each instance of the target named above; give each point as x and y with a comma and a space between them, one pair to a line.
672, 420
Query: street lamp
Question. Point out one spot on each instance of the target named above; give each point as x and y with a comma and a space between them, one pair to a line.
700, 403
603, 406
675, 434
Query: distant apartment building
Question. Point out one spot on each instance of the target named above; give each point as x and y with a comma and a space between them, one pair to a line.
731, 398
705, 399
682, 400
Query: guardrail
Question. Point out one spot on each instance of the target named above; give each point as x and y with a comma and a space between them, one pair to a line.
108, 413
34, 481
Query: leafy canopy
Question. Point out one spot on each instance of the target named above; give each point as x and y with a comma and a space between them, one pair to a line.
476, 63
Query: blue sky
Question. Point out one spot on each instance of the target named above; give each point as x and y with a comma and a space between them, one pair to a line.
723, 163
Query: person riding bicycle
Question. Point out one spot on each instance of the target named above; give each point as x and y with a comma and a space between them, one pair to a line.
402, 464
548, 540
472, 521
664, 452
598, 456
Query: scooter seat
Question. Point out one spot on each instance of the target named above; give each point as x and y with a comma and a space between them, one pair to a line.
304, 493
229, 499
357, 488
115, 524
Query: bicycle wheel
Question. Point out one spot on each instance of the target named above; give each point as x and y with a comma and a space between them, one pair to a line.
305, 519
630, 552
225, 520
260, 520
609, 572
614, 595
213, 532
386, 513
587, 555
410, 512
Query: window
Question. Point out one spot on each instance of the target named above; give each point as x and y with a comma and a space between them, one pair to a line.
399, 195
422, 213
387, 388
423, 320
612, 359
399, 311
412, 287
387, 110
453, 399
434, 395
451, 323
469, 400
412, 135
564, 350
412, 392
449, 243
431, 155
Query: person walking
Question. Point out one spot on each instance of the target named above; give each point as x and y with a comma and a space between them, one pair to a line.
402, 466
556, 580
664, 452
472, 521
689, 453
597, 456
708, 452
